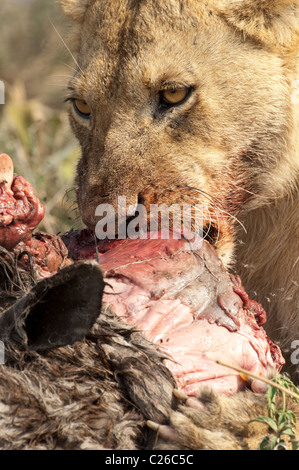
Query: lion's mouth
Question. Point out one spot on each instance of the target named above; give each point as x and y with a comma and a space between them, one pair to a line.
144, 222
168, 207
211, 233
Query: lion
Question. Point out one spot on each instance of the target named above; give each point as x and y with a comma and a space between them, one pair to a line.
195, 102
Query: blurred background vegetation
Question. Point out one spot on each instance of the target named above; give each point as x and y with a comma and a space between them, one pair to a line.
35, 66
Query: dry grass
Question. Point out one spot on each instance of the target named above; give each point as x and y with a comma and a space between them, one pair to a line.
34, 129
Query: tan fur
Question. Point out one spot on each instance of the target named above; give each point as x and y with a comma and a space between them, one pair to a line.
222, 423
273, 22
233, 146
75, 9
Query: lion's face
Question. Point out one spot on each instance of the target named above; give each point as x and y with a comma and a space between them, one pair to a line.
171, 104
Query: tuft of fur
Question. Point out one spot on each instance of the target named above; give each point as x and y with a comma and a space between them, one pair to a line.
79, 397
75, 9
66, 399
222, 423
272, 22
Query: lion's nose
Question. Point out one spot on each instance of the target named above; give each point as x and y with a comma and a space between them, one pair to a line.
113, 217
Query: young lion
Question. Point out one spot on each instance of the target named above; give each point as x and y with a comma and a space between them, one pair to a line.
188, 102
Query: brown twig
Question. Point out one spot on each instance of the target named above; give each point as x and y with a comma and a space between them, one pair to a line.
262, 379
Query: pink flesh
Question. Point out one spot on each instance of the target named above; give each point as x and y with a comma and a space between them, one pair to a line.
174, 297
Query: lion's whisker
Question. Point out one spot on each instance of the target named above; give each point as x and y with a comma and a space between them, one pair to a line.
67, 47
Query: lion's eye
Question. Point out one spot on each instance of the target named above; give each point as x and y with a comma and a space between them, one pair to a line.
174, 96
82, 108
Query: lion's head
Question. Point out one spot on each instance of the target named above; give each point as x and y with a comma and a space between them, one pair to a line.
184, 102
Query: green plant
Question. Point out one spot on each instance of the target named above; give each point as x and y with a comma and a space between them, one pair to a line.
280, 420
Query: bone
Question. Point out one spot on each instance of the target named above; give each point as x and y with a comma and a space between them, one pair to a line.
188, 401
6, 170
164, 431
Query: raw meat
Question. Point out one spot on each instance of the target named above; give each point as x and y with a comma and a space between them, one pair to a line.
186, 302
20, 209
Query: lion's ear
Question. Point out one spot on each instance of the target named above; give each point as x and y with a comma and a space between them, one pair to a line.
272, 22
75, 9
